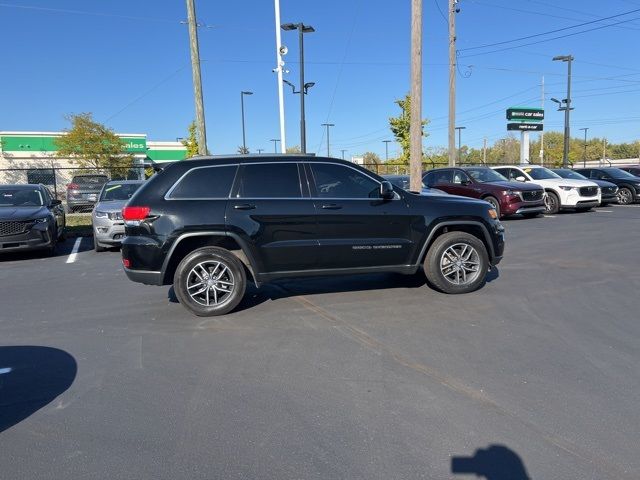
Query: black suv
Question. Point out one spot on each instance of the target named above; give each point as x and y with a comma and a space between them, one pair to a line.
628, 184
210, 223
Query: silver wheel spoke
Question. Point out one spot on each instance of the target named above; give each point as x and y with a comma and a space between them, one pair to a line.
460, 264
195, 285
205, 278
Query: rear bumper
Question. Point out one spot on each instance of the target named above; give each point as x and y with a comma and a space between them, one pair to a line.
144, 276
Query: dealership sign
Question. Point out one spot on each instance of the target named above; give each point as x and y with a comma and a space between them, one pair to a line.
525, 127
525, 114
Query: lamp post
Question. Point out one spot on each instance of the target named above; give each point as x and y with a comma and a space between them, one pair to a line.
302, 29
567, 108
459, 141
275, 144
343, 151
584, 158
386, 149
328, 125
244, 142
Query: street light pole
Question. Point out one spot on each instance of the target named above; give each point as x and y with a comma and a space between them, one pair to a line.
244, 141
197, 79
459, 141
584, 158
260, 150
275, 144
567, 109
328, 144
343, 153
386, 149
302, 29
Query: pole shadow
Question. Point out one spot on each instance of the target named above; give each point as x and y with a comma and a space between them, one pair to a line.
496, 462
30, 378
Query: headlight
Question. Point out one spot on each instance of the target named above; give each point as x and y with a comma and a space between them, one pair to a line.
568, 189
493, 214
100, 214
41, 220
512, 192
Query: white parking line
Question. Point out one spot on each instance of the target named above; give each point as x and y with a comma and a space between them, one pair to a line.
604, 211
549, 216
74, 252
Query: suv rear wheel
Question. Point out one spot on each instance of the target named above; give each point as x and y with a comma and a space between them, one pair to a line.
457, 262
210, 281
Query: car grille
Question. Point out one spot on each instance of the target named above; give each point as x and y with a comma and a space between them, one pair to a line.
588, 191
12, 228
532, 196
609, 190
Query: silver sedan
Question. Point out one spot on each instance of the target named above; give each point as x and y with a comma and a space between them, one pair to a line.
106, 217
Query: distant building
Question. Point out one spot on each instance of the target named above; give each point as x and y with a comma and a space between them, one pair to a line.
358, 160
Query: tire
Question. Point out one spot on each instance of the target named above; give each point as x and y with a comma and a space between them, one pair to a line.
552, 203
494, 203
96, 246
438, 263
625, 197
195, 269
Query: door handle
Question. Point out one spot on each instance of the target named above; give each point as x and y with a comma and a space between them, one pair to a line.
244, 206
332, 206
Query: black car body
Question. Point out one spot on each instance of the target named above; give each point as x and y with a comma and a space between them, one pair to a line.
609, 190
30, 218
635, 171
290, 216
628, 184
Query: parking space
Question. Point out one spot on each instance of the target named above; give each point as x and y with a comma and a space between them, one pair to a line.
372, 376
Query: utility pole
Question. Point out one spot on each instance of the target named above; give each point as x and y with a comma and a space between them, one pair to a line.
453, 10
328, 144
542, 133
279, 70
197, 80
244, 138
484, 151
459, 129
415, 130
275, 144
260, 150
386, 149
584, 157
343, 151
567, 108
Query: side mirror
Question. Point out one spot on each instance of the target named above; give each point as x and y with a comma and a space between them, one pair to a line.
55, 203
464, 183
520, 178
386, 190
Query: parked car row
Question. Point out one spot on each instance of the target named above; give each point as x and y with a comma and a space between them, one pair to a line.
530, 190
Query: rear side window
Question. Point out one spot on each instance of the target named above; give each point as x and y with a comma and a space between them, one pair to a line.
338, 181
439, 177
205, 183
268, 180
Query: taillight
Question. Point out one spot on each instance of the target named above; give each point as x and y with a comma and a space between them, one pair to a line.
126, 263
73, 186
135, 214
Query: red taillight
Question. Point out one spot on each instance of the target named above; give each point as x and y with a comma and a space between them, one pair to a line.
73, 186
126, 263
133, 214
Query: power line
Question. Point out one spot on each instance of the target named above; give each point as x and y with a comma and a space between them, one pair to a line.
85, 12
556, 31
441, 12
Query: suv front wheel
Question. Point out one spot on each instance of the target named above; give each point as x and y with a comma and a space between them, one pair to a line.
210, 281
457, 262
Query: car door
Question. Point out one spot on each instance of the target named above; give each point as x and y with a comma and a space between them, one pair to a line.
357, 228
441, 179
270, 210
463, 185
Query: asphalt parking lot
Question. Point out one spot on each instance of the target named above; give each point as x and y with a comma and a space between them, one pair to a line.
534, 376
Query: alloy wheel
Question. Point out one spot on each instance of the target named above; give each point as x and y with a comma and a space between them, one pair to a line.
460, 264
210, 283
624, 196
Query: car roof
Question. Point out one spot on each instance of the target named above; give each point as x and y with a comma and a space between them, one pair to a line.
111, 182
21, 186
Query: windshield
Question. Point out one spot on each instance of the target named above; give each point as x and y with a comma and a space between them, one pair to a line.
617, 173
20, 197
540, 173
118, 191
484, 175
570, 174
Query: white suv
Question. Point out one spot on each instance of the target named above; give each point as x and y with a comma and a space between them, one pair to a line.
580, 195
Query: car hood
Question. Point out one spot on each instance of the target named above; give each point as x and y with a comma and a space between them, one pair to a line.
22, 213
603, 183
521, 186
111, 206
567, 182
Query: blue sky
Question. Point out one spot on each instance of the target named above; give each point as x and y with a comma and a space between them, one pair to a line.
128, 63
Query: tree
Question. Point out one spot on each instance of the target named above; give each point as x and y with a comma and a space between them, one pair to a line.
400, 126
294, 149
370, 158
92, 144
243, 150
192, 141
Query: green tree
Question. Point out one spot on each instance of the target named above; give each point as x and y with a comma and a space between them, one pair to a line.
192, 141
400, 127
370, 158
92, 145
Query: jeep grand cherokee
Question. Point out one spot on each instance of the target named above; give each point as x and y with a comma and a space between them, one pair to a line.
209, 224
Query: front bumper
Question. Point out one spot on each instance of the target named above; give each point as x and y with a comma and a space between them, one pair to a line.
571, 199
38, 237
610, 198
108, 231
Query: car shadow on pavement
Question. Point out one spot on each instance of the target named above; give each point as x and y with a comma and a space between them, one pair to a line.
496, 462
30, 378
63, 248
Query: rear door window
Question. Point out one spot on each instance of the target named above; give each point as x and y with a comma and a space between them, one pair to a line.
268, 180
205, 183
338, 181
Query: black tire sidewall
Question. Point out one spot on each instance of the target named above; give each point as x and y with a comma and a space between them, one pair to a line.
432, 262
209, 253
630, 196
494, 203
556, 199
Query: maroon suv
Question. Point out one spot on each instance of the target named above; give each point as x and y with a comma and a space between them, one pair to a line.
508, 198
